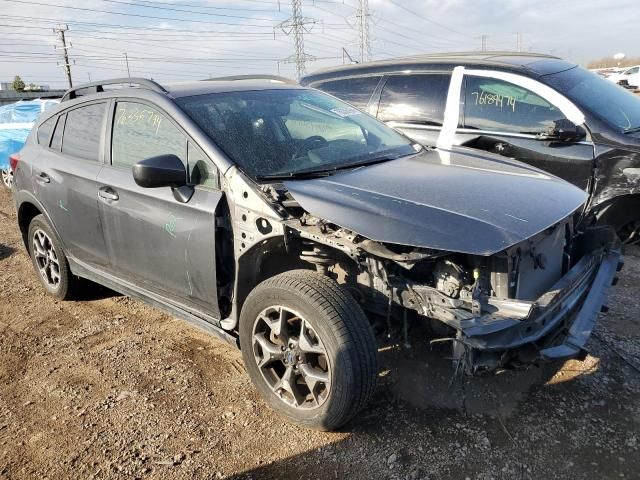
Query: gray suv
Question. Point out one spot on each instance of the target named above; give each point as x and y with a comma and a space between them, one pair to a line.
275, 216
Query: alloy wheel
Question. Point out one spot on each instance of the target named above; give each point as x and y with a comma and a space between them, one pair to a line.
46, 258
7, 177
291, 358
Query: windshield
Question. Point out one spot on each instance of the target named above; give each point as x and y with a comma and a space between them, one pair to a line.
281, 132
610, 102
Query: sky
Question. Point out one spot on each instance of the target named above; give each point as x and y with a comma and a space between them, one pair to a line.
194, 39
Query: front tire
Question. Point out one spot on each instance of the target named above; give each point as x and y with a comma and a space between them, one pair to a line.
49, 259
309, 349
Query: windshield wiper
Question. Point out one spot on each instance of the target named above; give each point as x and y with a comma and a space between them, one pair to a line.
324, 172
632, 129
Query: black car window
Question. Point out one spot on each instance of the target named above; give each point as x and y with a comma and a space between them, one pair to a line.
140, 132
56, 141
356, 91
497, 105
83, 130
201, 170
415, 98
45, 130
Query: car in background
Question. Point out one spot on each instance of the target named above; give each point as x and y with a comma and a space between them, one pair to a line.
538, 109
627, 77
16, 121
275, 216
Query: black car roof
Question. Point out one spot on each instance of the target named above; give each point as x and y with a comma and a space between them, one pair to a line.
534, 64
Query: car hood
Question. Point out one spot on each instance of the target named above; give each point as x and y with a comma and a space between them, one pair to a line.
459, 202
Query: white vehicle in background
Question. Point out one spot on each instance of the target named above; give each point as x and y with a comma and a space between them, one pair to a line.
629, 77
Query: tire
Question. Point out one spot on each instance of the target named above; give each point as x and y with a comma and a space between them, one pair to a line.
49, 247
326, 317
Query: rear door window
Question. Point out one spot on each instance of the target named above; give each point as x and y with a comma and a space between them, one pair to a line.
356, 91
416, 99
45, 130
141, 131
83, 131
56, 140
500, 106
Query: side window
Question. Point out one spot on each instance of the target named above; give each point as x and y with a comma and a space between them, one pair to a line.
497, 105
45, 130
201, 170
415, 98
356, 91
56, 141
83, 130
140, 132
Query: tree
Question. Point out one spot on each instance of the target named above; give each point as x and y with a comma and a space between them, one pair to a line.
18, 84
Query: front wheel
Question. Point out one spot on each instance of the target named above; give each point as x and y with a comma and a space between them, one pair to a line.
309, 349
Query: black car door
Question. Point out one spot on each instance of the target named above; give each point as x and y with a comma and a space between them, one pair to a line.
508, 119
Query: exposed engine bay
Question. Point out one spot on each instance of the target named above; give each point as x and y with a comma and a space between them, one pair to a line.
490, 307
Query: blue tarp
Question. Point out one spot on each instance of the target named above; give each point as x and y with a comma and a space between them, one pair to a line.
16, 121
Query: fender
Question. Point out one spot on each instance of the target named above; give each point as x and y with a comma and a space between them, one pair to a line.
23, 197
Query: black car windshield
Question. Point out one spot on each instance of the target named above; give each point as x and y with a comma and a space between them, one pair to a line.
284, 132
611, 102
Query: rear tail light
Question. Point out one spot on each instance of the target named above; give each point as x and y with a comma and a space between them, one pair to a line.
13, 161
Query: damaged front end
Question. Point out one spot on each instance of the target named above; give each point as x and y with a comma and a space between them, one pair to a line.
484, 250
535, 301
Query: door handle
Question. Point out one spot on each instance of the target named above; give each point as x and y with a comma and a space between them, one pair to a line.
108, 194
43, 178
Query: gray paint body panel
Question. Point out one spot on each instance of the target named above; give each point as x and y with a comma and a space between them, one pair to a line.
442, 200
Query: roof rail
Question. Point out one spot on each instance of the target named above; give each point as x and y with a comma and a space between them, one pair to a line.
98, 86
254, 77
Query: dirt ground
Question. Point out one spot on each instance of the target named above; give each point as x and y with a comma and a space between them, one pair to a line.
107, 387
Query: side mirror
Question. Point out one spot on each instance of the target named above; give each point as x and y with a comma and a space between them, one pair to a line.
160, 171
564, 131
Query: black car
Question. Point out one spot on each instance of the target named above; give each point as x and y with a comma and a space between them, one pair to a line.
538, 109
285, 221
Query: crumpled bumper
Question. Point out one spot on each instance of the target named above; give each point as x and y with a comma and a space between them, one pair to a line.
554, 327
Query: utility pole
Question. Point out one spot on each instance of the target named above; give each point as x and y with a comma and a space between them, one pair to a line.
484, 43
296, 25
126, 59
518, 41
363, 16
60, 31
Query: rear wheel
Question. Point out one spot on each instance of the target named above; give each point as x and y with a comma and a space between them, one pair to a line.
49, 259
309, 349
7, 177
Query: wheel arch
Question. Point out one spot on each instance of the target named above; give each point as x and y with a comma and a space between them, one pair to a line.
619, 211
270, 258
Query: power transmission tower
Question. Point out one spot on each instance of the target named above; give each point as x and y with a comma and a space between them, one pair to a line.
519, 41
296, 25
363, 16
65, 51
483, 41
